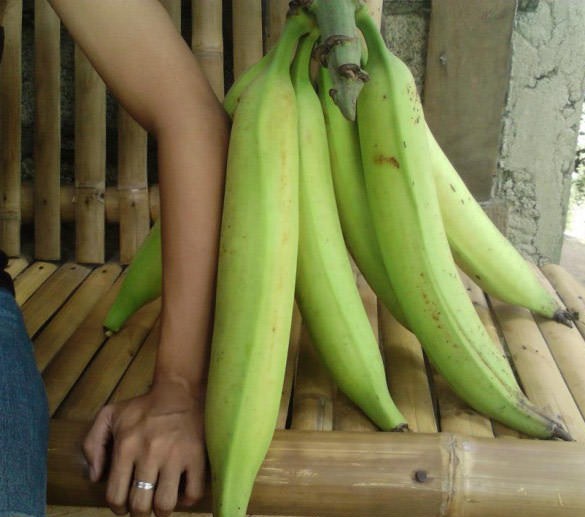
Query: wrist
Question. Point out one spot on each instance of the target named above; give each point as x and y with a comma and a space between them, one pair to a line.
191, 386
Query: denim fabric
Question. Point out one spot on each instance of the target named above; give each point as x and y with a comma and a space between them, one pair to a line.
24, 418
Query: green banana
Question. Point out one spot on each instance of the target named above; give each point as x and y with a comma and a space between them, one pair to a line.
326, 291
350, 193
142, 282
256, 279
481, 250
415, 250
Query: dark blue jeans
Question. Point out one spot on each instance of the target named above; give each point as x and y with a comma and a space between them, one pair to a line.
24, 419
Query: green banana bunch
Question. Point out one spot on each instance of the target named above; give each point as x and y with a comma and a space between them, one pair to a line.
326, 291
142, 282
256, 279
481, 250
415, 250
350, 193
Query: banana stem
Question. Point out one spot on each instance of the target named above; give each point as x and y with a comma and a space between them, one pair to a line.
340, 50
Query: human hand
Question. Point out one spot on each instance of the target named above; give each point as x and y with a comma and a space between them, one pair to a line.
157, 438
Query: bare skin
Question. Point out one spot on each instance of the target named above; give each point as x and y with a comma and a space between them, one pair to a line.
143, 60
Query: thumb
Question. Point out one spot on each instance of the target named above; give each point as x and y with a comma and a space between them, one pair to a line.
94, 445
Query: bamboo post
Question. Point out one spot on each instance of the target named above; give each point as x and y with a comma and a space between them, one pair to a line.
47, 146
90, 161
275, 18
10, 131
340, 474
207, 41
132, 185
247, 34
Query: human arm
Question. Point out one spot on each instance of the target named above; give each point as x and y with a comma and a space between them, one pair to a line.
152, 72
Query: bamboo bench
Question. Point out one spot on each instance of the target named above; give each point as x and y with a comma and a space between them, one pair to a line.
326, 458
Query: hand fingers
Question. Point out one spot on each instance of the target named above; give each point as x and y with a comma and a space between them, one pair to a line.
194, 483
94, 445
167, 490
123, 457
142, 490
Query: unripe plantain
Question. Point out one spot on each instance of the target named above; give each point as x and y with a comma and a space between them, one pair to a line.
142, 282
415, 250
326, 291
256, 278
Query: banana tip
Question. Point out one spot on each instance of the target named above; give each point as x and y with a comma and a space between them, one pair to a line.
401, 428
561, 433
108, 332
566, 317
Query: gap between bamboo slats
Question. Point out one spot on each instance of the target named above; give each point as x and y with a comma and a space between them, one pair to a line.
10, 129
207, 41
47, 135
67, 203
247, 34
90, 161
341, 474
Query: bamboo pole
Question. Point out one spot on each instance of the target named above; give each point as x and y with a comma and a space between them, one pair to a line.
90, 161
275, 16
247, 34
132, 185
377, 474
67, 203
537, 369
207, 41
313, 390
47, 146
10, 130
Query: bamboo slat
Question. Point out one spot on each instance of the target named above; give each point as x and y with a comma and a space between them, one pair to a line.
138, 377
50, 340
10, 130
31, 279
73, 357
207, 41
537, 369
291, 368
95, 386
132, 185
571, 292
313, 390
407, 375
16, 266
247, 34
52, 295
47, 149
67, 201
90, 161
275, 16
378, 474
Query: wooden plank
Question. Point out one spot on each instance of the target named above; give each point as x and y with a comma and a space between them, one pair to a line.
90, 161
73, 357
50, 340
207, 41
10, 130
100, 378
467, 78
407, 375
138, 378
247, 34
16, 266
340, 474
132, 185
51, 295
31, 279
47, 150
536, 367
313, 390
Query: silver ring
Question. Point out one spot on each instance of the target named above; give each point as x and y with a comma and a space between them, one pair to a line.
144, 485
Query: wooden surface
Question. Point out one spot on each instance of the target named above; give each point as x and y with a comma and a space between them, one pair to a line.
64, 307
467, 79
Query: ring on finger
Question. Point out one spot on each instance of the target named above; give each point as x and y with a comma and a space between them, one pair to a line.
144, 485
